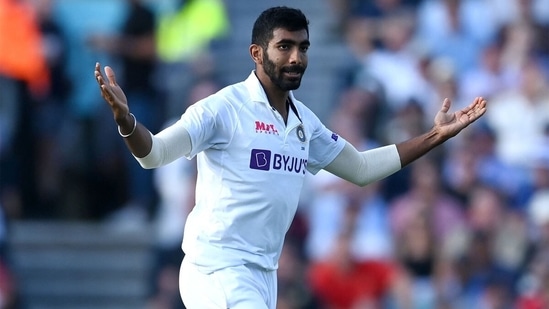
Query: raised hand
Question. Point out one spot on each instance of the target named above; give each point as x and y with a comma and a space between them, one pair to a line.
112, 93
450, 124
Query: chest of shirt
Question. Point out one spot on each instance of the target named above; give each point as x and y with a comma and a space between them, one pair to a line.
262, 141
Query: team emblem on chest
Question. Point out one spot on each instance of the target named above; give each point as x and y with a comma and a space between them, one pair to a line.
300, 132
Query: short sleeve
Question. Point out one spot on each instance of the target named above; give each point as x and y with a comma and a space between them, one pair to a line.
209, 125
325, 145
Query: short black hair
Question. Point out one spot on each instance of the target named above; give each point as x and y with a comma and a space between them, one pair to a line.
277, 17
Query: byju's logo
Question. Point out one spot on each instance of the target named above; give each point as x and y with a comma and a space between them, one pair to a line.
262, 159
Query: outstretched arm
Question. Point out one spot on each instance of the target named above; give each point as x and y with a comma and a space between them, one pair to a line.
447, 125
362, 168
137, 138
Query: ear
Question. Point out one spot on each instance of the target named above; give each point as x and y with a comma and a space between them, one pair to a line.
256, 52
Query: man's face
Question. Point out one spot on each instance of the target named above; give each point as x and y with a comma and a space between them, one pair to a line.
285, 58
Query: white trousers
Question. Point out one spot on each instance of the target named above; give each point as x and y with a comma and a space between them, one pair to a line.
239, 287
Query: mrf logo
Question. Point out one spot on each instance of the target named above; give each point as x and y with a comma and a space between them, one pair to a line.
265, 160
262, 127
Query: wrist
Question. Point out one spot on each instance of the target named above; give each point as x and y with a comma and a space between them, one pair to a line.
125, 120
436, 137
127, 127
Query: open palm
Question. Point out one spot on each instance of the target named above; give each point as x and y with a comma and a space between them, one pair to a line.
111, 92
450, 124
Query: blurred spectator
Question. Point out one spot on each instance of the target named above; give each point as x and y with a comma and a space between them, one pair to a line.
357, 43
473, 162
518, 47
489, 213
491, 76
371, 10
186, 36
395, 61
426, 197
484, 281
449, 29
517, 137
344, 282
417, 257
48, 109
354, 80
135, 46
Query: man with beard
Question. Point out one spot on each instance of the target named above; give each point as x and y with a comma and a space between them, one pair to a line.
254, 142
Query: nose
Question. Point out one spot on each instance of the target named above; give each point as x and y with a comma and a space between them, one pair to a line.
296, 56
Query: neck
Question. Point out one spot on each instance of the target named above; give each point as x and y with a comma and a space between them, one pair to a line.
276, 96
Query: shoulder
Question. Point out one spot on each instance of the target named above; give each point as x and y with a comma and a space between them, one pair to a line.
224, 103
304, 111
229, 97
308, 117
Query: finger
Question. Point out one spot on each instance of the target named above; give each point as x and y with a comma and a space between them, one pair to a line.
477, 108
481, 109
480, 104
476, 102
98, 76
483, 103
470, 109
446, 105
107, 94
110, 75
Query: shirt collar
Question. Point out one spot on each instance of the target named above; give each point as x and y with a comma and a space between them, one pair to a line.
257, 93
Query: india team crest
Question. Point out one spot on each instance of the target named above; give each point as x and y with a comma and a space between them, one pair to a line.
300, 131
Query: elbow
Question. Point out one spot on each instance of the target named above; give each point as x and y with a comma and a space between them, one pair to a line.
148, 163
366, 178
362, 182
362, 178
147, 167
358, 180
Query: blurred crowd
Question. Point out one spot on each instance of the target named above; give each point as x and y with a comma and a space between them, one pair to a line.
466, 226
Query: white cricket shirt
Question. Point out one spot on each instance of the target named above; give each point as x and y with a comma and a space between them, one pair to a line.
251, 168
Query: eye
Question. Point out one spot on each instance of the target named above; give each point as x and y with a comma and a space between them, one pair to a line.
283, 47
304, 48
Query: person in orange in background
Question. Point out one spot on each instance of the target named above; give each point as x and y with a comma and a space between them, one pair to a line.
24, 76
21, 55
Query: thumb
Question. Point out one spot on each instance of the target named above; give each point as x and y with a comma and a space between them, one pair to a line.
110, 75
446, 105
